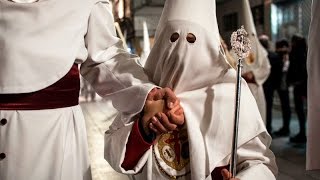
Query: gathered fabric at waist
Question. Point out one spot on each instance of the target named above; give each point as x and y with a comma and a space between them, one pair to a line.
63, 93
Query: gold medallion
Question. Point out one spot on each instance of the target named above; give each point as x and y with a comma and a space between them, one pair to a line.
172, 153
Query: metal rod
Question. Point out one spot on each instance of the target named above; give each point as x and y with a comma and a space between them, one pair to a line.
233, 160
241, 45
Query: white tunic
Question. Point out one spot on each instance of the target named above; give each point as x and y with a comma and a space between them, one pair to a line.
313, 64
39, 42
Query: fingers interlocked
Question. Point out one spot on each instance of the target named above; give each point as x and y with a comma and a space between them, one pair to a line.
161, 124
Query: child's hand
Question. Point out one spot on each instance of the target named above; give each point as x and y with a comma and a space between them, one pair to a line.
162, 112
166, 121
176, 114
227, 175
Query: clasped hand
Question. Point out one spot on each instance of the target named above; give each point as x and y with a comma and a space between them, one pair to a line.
162, 112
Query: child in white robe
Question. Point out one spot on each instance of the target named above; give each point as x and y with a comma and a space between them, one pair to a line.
187, 58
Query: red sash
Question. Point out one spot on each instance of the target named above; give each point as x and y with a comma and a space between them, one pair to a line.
63, 93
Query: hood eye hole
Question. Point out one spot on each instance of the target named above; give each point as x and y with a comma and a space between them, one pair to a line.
174, 37
191, 38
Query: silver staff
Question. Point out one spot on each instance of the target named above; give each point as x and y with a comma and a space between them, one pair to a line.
241, 46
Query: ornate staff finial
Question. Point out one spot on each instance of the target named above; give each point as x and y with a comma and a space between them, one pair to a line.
241, 45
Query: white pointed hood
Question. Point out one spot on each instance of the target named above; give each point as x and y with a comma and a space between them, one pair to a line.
186, 57
181, 61
200, 12
259, 54
146, 44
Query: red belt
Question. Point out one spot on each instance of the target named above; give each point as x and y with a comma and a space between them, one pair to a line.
63, 93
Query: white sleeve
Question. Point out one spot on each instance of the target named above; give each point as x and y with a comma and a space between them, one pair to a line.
112, 71
115, 141
256, 161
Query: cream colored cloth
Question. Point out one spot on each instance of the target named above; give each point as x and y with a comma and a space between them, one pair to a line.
38, 45
313, 64
205, 84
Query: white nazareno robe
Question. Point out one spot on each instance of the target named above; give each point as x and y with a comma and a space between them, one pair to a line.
39, 42
205, 84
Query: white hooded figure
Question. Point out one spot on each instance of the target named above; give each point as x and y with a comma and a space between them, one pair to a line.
256, 68
186, 57
313, 64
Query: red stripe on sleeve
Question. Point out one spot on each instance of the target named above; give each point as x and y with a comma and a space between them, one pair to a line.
135, 148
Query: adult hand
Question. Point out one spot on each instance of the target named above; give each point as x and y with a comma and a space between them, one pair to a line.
164, 94
227, 175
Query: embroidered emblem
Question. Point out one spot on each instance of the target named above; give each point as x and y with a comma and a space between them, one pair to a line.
172, 153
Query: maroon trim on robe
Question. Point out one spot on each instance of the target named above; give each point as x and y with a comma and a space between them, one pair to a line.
135, 148
63, 93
